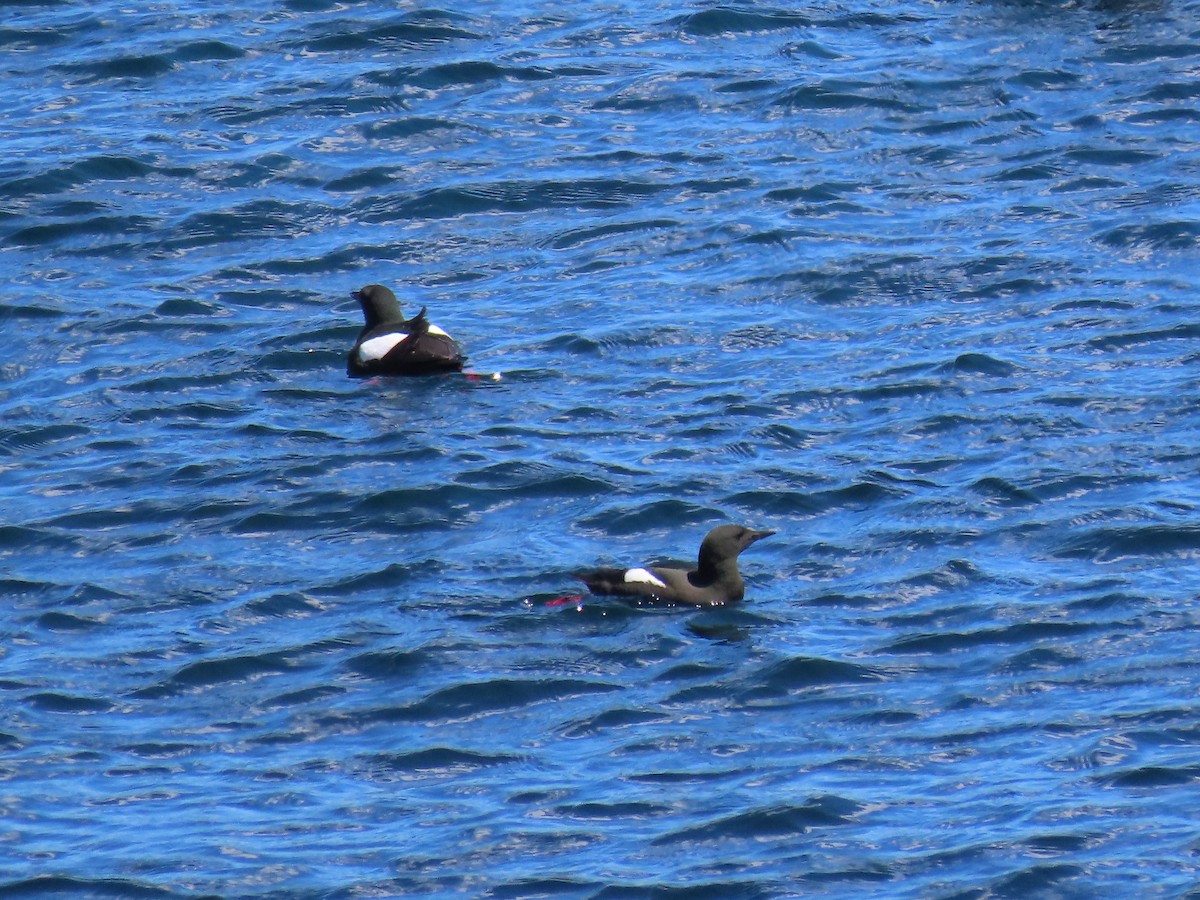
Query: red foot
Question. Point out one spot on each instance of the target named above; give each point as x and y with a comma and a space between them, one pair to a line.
566, 599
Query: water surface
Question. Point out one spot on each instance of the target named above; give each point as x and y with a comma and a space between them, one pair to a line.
911, 283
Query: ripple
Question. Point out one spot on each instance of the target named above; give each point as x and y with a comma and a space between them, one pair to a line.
473, 72
1151, 777
839, 95
1122, 341
982, 364
577, 237
208, 673
612, 719
53, 701
626, 520
51, 885
467, 702
1176, 235
119, 68
79, 173
431, 763
1000, 491
205, 50
727, 20
511, 197
66, 622
1115, 543
770, 823
910, 282
100, 227
388, 664
24, 440
790, 676
416, 31
951, 642
250, 220
28, 39
389, 577
470, 702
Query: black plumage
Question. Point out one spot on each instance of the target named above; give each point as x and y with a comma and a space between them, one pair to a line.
715, 581
389, 344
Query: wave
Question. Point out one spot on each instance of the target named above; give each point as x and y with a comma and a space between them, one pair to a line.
1121, 542
907, 285
770, 823
62, 885
413, 31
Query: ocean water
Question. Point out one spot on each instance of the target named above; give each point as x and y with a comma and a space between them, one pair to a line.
914, 284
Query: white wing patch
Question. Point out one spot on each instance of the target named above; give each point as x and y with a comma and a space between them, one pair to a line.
643, 576
379, 347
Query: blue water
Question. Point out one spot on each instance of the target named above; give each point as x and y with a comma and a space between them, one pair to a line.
914, 284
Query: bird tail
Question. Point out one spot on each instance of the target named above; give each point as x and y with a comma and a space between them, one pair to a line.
602, 581
418, 324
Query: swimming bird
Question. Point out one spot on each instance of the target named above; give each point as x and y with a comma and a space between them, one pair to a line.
389, 344
714, 582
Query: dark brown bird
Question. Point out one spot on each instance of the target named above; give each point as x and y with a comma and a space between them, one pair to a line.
714, 582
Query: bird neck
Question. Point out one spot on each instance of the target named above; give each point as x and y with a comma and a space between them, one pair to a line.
711, 566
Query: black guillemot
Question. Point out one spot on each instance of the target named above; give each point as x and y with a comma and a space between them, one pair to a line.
714, 582
389, 344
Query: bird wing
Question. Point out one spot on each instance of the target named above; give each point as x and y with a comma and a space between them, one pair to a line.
425, 348
643, 583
